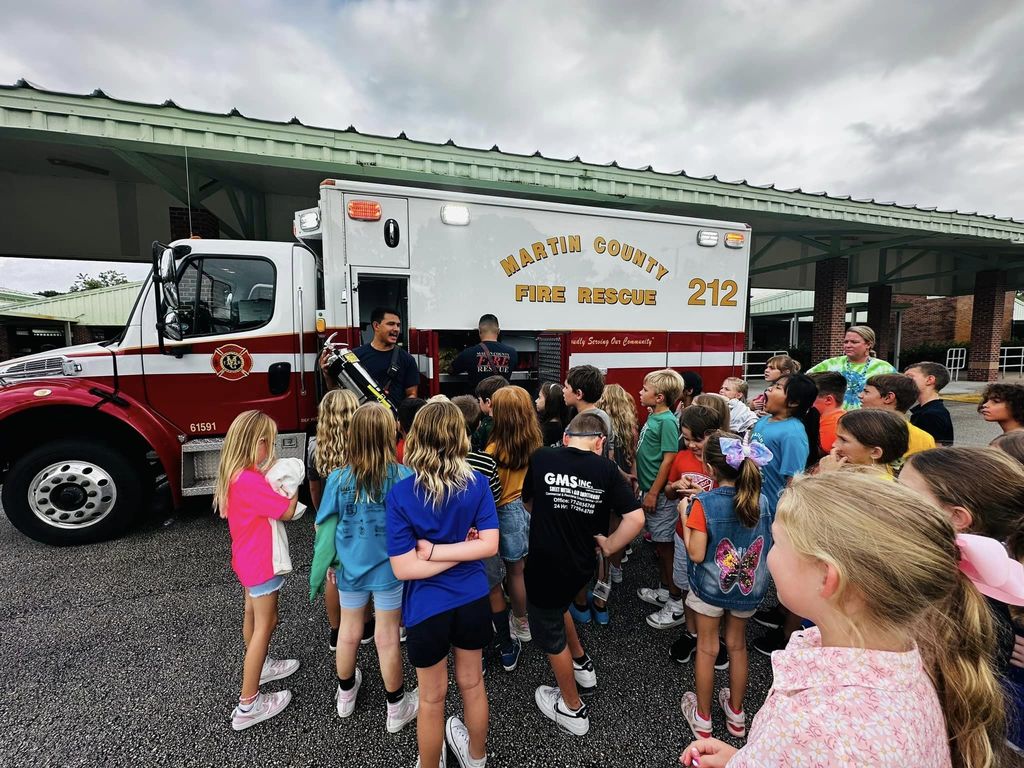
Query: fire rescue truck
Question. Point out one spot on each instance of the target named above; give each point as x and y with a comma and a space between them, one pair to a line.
88, 432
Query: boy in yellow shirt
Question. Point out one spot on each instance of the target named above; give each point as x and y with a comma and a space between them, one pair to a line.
897, 392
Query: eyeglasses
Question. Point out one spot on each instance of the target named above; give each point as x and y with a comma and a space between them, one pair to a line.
584, 434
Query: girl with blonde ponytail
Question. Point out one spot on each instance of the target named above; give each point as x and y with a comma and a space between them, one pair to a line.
897, 669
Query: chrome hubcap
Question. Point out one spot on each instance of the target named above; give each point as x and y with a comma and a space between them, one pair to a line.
72, 494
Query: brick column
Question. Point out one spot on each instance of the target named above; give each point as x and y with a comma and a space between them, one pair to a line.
880, 319
986, 325
830, 280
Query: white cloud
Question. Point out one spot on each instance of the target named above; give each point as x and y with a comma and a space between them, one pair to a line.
915, 103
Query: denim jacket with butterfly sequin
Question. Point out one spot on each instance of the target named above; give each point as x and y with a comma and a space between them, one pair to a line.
734, 572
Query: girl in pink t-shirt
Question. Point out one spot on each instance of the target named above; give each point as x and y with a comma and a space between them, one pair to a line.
896, 670
244, 497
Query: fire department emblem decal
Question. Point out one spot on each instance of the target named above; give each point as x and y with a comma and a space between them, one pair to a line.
231, 362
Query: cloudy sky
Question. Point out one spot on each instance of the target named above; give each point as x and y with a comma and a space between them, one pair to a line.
908, 101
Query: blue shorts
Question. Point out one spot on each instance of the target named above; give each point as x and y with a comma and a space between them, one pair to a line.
383, 599
268, 587
513, 531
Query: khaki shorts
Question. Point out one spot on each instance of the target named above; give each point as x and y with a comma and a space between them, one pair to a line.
699, 606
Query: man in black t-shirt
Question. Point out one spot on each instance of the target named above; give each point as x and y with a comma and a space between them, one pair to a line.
403, 379
488, 358
571, 492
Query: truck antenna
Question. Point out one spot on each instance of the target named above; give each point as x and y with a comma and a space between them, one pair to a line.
188, 194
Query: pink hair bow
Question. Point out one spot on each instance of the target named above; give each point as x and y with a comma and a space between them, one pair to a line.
736, 451
985, 562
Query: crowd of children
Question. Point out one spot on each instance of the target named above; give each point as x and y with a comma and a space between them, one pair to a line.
499, 520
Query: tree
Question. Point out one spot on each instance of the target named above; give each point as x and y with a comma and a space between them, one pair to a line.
49, 293
85, 282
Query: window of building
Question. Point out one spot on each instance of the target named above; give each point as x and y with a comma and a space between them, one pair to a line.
225, 294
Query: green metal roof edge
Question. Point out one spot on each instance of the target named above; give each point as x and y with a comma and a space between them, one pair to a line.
60, 297
95, 119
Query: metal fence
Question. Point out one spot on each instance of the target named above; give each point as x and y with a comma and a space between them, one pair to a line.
754, 361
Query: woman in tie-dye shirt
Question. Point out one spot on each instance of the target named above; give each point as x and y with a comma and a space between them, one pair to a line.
856, 364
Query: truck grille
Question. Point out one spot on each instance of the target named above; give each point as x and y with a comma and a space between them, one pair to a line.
48, 366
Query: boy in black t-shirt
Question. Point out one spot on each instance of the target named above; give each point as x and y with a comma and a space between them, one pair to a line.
571, 492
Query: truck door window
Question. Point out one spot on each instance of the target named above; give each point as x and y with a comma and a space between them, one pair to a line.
225, 295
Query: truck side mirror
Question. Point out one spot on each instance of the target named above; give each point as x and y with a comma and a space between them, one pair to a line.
172, 326
167, 266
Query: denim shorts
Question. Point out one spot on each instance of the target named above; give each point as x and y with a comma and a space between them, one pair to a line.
494, 569
680, 563
383, 599
268, 587
662, 522
513, 531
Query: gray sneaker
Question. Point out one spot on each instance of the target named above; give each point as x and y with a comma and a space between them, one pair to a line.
404, 712
444, 757
276, 669
552, 705
456, 734
265, 707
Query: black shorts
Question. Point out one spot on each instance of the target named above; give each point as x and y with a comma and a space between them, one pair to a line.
467, 627
547, 625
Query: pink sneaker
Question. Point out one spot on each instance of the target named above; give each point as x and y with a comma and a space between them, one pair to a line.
736, 722
276, 669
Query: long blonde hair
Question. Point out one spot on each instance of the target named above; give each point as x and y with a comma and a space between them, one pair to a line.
332, 423
241, 451
516, 433
621, 409
371, 448
899, 554
436, 449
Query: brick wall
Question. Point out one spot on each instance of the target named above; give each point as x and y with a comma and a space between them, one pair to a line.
987, 325
830, 281
204, 224
944, 319
80, 334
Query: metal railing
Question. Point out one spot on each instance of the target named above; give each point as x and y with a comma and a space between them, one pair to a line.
754, 361
1011, 360
956, 361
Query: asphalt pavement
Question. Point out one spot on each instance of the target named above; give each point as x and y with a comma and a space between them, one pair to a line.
129, 653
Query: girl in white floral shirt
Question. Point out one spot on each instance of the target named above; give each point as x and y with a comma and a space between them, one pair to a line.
896, 670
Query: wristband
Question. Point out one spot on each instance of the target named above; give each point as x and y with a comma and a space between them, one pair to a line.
432, 545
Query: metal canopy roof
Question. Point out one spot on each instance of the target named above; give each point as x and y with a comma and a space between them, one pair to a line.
99, 306
923, 250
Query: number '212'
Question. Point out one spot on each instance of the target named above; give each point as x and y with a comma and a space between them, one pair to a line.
727, 298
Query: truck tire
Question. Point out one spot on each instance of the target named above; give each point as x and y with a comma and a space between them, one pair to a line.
73, 491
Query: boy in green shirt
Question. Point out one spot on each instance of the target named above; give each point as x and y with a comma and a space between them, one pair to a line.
659, 442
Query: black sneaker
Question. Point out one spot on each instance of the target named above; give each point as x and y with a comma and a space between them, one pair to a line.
682, 650
722, 659
771, 641
770, 617
368, 629
333, 642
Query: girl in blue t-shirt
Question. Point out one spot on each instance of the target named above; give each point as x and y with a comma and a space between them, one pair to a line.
789, 431
354, 494
728, 535
441, 524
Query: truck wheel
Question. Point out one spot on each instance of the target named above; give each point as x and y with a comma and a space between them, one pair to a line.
73, 492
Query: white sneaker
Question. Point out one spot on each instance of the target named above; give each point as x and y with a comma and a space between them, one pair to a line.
265, 707
346, 700
276, 669
444, 757
457, 735
700, 727
520, 627
657, 597
586, 676
672, 615
552, 705
403, 712
735, 722
615, 574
